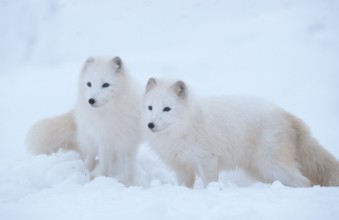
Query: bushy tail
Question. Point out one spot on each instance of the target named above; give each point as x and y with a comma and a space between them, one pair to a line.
316, 163
51, 134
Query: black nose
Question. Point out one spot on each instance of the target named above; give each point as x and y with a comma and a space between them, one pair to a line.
91, 101
150, 125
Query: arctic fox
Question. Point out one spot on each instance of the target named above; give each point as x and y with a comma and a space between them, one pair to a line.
204, 137
104, 126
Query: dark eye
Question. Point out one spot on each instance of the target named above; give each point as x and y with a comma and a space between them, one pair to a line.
89, 84
166, 109
150, 108
105, 85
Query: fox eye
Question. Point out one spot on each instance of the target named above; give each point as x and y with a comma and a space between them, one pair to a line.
166, 109
89, 84
150, 108
105, 85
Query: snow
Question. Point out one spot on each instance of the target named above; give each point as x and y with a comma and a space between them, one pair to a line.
284, 51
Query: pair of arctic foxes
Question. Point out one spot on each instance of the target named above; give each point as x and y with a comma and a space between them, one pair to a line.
194, 137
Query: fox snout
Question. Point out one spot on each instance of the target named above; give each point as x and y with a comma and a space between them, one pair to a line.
156, 127
151, 125
91, 101
97, 102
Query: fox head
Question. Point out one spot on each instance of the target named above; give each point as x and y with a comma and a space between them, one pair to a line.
100, 80
165, 105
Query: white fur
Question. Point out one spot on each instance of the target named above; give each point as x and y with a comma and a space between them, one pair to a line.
107, 131
50, 134
210, 135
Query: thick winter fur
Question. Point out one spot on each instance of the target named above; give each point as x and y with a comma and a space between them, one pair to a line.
109, 127
204, 137
104, 125
50, 134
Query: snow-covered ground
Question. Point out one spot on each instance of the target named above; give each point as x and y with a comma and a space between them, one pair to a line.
284, 51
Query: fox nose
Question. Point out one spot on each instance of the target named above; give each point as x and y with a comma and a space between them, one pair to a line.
91, 101
151, 125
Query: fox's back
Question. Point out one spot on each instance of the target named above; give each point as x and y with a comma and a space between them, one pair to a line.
239, 123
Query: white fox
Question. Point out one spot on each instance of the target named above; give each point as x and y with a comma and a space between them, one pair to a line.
204, 137
104, 125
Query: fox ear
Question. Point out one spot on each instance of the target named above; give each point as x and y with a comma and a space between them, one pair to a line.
150, 84
117, 62
88, 62
180, 89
